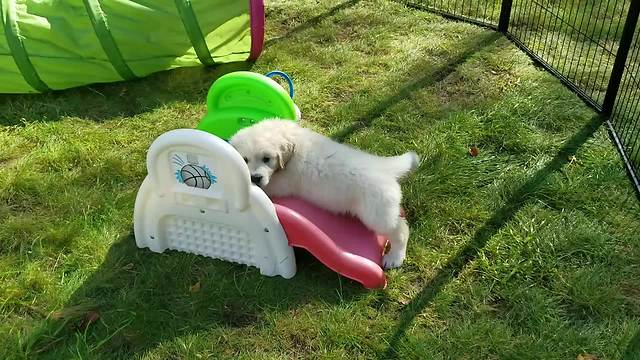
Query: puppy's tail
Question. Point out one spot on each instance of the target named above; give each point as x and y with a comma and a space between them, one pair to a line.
401, 165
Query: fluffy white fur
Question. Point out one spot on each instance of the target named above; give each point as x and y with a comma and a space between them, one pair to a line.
288, 160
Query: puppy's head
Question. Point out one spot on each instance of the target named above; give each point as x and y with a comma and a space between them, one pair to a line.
266, 148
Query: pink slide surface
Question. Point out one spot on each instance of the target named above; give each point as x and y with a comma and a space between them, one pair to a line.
340, 242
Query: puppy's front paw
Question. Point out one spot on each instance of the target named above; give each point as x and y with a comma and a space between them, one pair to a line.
393, 260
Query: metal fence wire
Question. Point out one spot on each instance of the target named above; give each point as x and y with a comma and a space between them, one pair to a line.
592, 46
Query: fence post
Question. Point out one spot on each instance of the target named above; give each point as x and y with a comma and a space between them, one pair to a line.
621, 57
505, 15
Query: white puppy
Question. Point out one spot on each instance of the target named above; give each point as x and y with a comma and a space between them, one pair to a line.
285, 159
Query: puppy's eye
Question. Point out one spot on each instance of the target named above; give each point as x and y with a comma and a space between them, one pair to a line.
246, 160
266, 159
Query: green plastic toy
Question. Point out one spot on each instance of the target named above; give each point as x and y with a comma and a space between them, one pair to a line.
243, 98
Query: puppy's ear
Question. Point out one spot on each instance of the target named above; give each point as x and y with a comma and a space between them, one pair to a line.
285, 154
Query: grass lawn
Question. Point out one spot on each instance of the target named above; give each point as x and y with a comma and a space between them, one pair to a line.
531, 250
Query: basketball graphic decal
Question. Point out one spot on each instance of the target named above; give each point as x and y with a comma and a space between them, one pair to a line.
193, 175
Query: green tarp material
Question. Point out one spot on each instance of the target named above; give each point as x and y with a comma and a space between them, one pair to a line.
59, 44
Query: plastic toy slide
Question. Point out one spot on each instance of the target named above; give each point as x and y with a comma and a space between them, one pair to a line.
342, 243
198, 197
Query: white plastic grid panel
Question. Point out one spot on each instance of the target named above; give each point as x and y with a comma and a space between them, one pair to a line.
209, 239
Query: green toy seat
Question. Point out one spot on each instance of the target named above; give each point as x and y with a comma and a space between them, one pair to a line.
241, 99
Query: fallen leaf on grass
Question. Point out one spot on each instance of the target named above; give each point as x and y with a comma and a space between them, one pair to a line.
194, 288
473, 151
586, 357
89, 318
572, 159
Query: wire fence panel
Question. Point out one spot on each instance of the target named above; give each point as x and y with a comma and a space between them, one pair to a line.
483, 12
577, 39
625, 119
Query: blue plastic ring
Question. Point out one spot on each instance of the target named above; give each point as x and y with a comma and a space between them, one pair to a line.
284, 76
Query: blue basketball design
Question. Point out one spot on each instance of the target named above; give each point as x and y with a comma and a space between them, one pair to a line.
195, 176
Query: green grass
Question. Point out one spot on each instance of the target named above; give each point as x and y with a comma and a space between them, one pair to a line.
524, 252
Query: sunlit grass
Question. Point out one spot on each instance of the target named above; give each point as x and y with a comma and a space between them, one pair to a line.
529, 250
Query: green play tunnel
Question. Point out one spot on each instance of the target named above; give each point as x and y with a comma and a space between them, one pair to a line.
59, 44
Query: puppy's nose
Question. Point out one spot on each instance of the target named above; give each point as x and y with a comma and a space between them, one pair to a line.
256, 179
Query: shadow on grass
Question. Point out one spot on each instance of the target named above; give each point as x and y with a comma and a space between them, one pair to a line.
633, 350
102, 102
146, 298
500, 217
312, 22
426, 77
